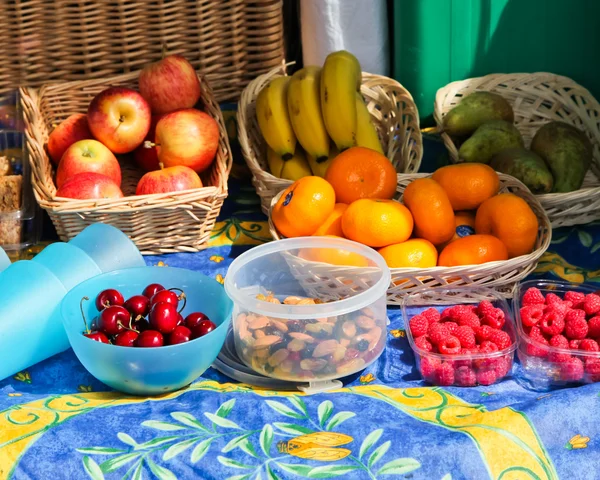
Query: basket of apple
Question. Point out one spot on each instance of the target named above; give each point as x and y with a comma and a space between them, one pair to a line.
146, 152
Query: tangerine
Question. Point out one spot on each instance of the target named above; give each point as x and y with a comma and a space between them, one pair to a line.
361, 173
334, 256
377, 223
431, 210
414, 253
467, 185
473, 250
512, 220
333, 224
303, 207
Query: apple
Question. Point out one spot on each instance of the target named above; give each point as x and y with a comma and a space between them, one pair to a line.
66, 133
88, 156
119, 118
170, 84
187, 137
170, 179
147, 158
89, 185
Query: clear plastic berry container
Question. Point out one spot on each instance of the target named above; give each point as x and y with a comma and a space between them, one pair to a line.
309, 309
463, 369
543, 366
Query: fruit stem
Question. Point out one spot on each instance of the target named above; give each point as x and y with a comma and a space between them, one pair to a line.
87, 330
129, 328
161, 165
181, 296
149, 144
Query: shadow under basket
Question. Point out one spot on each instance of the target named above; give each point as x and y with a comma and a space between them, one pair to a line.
159, 223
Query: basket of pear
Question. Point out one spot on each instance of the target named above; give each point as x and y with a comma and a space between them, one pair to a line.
539, 128
293, 125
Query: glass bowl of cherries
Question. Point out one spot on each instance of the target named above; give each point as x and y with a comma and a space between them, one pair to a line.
147, 330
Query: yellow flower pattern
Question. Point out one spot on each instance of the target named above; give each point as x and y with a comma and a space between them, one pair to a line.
366, 379
220, 278
216, 258
398, 333
577, 442
23, 377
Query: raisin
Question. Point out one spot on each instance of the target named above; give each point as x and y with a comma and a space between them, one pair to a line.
308, 351
362, 345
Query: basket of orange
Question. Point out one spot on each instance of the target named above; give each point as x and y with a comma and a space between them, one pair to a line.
462, 226
293, 126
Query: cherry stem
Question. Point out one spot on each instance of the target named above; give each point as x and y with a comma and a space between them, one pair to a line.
128, 328
180, 297
87, 330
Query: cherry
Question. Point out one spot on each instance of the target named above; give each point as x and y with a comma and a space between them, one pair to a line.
150, 338
113, 320
163, 317
108, 298
142, 325
97, 336
151, 290
194, 319
180, 320
126, 338
166, 296
203, 328
181, 334
138, 306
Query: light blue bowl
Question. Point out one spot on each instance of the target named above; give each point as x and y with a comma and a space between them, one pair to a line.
148, 371
4, 260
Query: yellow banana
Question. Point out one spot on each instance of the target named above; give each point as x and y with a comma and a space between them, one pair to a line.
340, 80
273, 118
319, 168
304, 107
292, 169
366, 134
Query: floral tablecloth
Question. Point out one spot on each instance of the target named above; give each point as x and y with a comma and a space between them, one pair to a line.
58, 422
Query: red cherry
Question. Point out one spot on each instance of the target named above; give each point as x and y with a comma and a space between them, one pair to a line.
181, 334
150, 338
166, 296
180, 320
97, 336
138, 306
194, 319
126, 338
163, 317
113, 320
151, 290
203, 328
142, 325
109, 298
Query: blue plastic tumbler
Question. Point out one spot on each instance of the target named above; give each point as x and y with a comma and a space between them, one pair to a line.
4, 260
69, 263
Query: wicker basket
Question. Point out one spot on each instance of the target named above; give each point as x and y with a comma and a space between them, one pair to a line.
160, 223
500, 276
229, 41
538, 98
392, 109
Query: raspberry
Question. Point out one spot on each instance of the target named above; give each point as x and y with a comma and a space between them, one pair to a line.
488, 347
455, 312
500, 338
576, 327
558, 308
432, 315
552, 299
469, 319
594, 327
443, 375
451, 326
576, 298
483, 333
449, 346
438, 332
559, 341
534, 348
574, 344
592, 369
466, 336
486, 377
423, 343
572, 370
552, 323
483, 308
428, 366
503, 366
591, 304
465, 377
531, 315
589, 345
418, 325
533, 297
466, 362
559, 357
494, 318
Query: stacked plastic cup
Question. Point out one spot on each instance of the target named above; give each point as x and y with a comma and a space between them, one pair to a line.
31, 292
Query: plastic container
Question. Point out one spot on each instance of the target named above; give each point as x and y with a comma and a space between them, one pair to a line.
543, 367
4, 260
148, 371
466, 370
341, 334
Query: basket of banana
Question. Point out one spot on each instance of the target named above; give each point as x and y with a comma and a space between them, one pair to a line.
293, 126
540, 128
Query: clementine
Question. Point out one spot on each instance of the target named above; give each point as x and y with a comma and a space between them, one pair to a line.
414, 253
467, 185
303, 207
473, 250
333, 223
361, 173
334, 256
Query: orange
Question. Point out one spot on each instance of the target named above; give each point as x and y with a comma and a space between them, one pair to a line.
473, 250
431, 209
361, 173
467, 185
512, 220
334, 256
377, 223
333, 223
414, 253
303, 207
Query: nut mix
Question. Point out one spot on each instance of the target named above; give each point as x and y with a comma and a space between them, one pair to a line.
309, 349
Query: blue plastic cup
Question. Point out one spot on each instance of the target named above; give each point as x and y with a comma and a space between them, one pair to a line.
4, 260
30, 322
109, 247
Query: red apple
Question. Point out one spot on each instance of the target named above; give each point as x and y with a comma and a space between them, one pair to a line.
88, 156
89, 185
170, 84
147, 158
69, 131
187, 137
120, 118
171, 179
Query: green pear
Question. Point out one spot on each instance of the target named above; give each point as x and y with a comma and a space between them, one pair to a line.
488, 140
475, 110
526, 166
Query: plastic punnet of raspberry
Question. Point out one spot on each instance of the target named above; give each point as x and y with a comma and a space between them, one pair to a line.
444, 375
572, 370
464, 376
